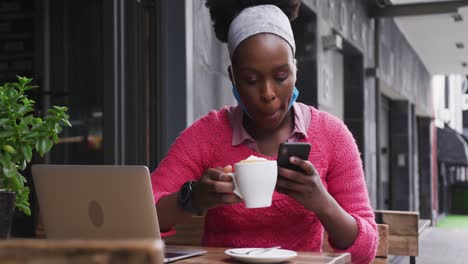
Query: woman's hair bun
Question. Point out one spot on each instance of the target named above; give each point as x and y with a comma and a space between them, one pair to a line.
222, 12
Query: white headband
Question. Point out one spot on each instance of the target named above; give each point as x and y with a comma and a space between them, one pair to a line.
259, 19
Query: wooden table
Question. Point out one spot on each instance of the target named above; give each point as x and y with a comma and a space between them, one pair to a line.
40, 251
217, 255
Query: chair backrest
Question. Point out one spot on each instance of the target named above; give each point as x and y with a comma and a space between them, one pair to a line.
403, 231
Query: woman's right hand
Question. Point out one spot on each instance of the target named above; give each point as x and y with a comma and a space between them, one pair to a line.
215, 188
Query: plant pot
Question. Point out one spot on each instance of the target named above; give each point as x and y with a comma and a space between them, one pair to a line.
7, 207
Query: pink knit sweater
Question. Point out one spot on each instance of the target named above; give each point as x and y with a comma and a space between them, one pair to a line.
207, 144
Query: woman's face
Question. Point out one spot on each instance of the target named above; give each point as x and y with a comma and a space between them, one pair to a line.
264, 73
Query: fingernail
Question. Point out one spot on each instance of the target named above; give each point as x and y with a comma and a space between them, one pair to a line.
292, 159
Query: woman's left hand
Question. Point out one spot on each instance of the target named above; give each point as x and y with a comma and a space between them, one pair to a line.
306, 186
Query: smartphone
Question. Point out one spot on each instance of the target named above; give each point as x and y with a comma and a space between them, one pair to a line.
288, 149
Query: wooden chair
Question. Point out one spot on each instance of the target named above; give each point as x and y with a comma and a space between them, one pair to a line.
382, 250
404, 230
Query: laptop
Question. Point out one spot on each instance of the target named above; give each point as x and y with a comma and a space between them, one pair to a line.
99, 202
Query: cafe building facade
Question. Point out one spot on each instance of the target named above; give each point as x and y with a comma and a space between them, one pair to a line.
134, 74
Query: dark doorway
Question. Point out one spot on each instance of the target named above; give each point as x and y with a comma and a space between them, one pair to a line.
353, 85
384, 123
305, 33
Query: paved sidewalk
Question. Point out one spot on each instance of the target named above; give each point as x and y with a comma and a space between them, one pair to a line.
439, 246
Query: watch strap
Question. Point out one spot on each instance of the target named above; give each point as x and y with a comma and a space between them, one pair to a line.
185, 198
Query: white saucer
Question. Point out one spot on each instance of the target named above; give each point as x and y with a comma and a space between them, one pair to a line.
271, 256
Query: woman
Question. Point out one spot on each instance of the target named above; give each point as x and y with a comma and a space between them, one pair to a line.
330, 194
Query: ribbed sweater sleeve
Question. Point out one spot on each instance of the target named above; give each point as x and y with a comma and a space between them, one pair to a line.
346, 183
186, 160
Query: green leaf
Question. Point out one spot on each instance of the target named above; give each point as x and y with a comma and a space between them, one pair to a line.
23, 128
6, 171
31, 135
23, 208
27, 152
22, 199
66, 122
9, 149
49, 145
58, 128
7, 133
55, 138
53, 111
9, 172
60, 109
13, 94
37, 121
13, 170
3, 121
21, 182
17, 184
43, 146
26, 101
51, 118
24, 164
27, 119
5, 161
25, 109
23, 80
39, 147
18, 86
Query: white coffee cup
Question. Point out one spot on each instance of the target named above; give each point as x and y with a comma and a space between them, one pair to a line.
255, 182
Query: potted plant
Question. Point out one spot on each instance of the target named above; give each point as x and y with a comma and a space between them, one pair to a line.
21, 134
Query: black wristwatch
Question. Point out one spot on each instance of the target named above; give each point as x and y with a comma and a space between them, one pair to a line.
185, 198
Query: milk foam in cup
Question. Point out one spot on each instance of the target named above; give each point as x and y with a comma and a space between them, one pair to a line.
253, 158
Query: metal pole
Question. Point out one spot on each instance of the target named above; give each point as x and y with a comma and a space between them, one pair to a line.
380, 201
